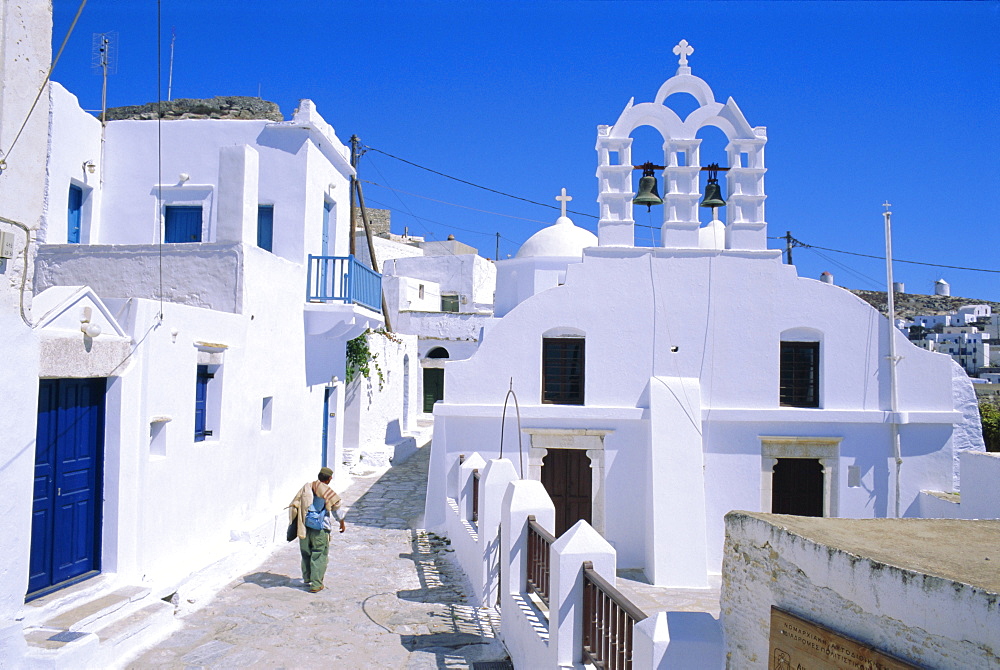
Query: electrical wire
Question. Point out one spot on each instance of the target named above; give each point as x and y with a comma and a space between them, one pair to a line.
797, 243
24, 273
473, 184
41, 89
453, 204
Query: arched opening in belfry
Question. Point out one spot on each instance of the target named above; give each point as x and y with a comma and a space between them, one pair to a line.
712, 150
683, 103
647, 146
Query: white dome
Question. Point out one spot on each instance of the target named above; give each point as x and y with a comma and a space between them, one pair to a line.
561, 240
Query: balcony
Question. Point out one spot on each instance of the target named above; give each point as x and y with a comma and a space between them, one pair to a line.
343, 279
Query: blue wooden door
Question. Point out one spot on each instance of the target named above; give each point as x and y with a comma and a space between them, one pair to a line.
73, 211
326, 424
182, 224
67, 506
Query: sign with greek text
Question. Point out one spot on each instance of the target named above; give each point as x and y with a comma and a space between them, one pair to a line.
797, 644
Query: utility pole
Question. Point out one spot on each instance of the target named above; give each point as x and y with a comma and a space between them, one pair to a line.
356, 187
497, 257
893, 359
788, 247
354, 164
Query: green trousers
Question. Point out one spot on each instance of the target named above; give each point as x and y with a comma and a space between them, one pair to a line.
315, 550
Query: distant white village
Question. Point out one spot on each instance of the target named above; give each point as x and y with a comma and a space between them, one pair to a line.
681, 456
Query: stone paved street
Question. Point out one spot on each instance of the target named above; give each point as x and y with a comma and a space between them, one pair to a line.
394, 598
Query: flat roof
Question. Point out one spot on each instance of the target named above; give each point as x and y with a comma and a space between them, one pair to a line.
966, 551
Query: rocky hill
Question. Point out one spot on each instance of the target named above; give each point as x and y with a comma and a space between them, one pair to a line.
912, 304
219, 107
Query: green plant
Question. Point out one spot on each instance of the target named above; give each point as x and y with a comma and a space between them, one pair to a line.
989, 414
361, 359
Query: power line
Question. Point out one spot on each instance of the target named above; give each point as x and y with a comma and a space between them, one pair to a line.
882, 258
453, 204
469, 183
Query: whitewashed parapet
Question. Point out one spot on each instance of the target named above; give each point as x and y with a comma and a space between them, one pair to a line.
980, 496
464, 536
466, 482
579, 544
493, 483
525, 631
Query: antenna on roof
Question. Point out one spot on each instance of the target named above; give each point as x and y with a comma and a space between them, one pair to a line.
170, 76
104, 61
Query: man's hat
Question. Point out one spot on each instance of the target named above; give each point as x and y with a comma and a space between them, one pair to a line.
325, 472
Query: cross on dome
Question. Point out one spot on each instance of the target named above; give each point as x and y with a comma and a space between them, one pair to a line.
563, 199
683, 49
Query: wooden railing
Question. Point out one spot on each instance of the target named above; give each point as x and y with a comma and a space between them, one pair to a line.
608, 619
475, 496
539, 560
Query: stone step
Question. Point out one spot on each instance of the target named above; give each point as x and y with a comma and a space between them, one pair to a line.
83, 616
87, 635
126, 637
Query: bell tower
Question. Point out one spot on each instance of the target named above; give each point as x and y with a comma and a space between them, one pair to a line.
746, 228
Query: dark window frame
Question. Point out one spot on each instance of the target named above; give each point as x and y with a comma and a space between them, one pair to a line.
799, 375
265, 227
202, 381
564, 364
450, 303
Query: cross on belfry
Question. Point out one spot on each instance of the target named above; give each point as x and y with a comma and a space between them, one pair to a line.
683, 49
886, 205
563, 199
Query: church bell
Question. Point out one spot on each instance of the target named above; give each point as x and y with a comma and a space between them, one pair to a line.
647, 194
713, 194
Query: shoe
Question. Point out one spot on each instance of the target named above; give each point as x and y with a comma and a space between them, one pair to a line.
317, 590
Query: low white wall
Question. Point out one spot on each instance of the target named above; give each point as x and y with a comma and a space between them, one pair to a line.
932, 621
980, 496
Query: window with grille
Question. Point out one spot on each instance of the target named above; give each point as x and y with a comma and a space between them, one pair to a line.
799, 378
562, 370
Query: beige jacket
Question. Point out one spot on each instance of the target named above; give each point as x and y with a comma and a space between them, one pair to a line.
304, 498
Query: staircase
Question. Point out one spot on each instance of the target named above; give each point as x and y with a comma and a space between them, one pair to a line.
94, 626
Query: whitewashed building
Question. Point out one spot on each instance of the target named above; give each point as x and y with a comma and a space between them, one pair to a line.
180, 368
965, 335
642, 414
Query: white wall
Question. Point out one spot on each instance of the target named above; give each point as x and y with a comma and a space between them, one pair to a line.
374, 406
25, 54
74, 140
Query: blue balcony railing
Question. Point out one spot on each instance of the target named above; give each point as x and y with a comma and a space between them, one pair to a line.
344, 279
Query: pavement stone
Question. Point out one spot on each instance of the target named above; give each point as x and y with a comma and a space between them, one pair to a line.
394, 598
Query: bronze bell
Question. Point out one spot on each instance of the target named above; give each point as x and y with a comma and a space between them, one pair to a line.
647, 194
713, 195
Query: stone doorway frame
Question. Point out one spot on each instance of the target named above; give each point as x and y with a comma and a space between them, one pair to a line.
824, 449
591, 440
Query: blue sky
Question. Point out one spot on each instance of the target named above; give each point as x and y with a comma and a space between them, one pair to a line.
863, 101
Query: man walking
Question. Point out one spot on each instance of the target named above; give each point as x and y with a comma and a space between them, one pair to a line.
313, 506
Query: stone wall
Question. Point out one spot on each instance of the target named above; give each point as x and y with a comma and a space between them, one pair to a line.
378, 220
913, 588
219, 107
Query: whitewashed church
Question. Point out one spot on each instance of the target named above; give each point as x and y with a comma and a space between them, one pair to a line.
660, 387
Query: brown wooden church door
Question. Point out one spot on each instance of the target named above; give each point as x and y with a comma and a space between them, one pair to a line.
566, 478
797, 487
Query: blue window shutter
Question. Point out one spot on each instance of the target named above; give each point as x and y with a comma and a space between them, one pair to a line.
265, 227
73, 214
183, 224
201, 403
